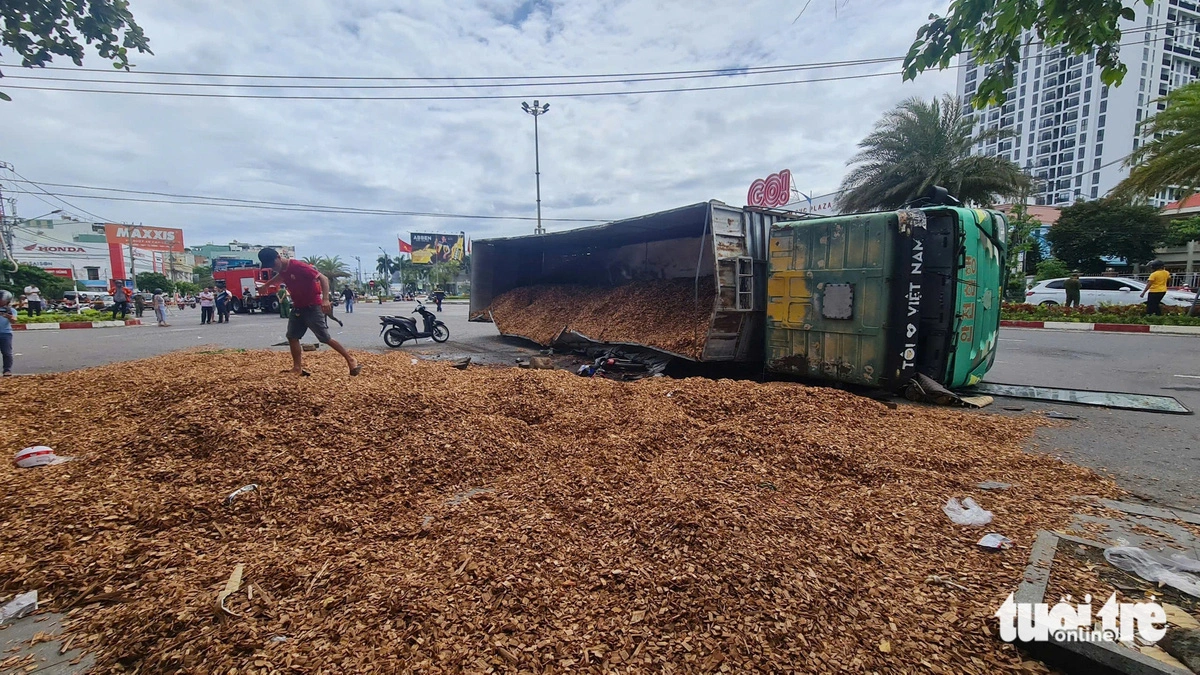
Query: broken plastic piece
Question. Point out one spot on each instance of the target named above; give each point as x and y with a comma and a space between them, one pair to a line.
995, 541
38, 455
239, 492
1173, 572
993, 485
19, 606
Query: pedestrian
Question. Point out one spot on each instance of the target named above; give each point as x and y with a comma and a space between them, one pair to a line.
1072, 286
33, 300
120, 301
285, 302
207, 303
8, 314
438, 296
312, 302
348, 297
139, 304
160, 307
1156, 287
223, 301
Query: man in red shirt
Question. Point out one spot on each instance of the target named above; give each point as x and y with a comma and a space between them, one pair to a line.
311, 301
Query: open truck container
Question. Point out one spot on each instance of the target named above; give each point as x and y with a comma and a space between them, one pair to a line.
872, 299
716, 246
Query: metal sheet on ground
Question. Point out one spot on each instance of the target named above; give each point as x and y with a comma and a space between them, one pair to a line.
1101, 399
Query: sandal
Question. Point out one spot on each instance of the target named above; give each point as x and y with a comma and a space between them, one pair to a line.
356, 370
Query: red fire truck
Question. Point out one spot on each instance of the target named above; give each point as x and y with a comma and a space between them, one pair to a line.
248, 285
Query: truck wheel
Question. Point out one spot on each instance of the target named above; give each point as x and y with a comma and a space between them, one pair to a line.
237, 306
393, 338
270, 305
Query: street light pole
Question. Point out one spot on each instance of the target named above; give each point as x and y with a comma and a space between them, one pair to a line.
537, 110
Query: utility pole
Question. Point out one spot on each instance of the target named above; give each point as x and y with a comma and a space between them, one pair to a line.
537, 110
358, 260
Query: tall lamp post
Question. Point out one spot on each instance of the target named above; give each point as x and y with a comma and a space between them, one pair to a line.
537, 110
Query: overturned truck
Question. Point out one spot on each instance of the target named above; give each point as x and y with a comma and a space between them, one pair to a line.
875, 299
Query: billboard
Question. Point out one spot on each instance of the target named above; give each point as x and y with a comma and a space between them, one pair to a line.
145, 238
428, 248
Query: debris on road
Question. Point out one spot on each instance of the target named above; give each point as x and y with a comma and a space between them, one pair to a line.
245, 489
994, 541
993, 485
38, 455
1060, 416
609, 501
967, 513
19, 606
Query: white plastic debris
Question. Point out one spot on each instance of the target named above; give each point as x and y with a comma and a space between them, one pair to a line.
38, 455
19, 606
995, 541
1173, 571
967, 513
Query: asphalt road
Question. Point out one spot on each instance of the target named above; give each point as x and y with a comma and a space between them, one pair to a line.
1155, 456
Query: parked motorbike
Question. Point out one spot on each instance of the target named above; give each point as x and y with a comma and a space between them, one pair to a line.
397, 330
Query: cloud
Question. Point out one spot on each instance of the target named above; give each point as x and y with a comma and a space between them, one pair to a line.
603, 157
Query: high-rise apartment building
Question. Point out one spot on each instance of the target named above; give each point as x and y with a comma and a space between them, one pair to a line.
1069, 130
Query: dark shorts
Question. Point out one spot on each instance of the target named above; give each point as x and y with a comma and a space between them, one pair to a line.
304, 319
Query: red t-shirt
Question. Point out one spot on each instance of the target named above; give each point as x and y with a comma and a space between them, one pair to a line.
302, 284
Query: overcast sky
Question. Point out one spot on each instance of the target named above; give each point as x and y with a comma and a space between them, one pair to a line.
602, 157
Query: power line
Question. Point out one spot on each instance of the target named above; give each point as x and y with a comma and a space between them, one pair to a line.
47, 192
475, 97
283, 206
526, 82
617, 77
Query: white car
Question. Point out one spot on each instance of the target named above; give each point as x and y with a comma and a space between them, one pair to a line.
1101, 291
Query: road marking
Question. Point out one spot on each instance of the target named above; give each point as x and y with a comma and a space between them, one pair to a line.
1190, 377
1010, 340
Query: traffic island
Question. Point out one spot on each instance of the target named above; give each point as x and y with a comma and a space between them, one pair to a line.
70, 325
1103, 327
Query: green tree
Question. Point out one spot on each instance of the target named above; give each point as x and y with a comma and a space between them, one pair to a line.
148, 281
203, 276
334, 268
919, 144
443, 273
1088, 231
1051, 268
27, 275
1020, 240
992, 31
1171, 158
186, 287
1180, 232
39, 30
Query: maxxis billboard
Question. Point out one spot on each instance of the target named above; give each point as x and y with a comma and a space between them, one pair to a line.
428, 249
149, 238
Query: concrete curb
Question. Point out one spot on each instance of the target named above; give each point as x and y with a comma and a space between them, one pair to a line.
68, 325
1104, 327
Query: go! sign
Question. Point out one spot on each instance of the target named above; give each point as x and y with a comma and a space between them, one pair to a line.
774, 190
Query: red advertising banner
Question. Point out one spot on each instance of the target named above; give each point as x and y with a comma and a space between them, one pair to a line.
151, 238
64, 272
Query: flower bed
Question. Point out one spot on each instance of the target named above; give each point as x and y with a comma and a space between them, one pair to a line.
1171, 316
63, 317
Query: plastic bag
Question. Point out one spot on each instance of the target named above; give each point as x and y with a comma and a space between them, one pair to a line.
967, 513
1171, 572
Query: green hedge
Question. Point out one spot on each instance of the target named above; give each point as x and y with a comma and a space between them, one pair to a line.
63, 317
1171, 316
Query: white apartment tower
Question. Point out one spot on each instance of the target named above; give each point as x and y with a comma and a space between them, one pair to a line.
1072, 132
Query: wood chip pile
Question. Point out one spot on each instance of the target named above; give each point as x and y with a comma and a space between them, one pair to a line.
421, 518
664, 314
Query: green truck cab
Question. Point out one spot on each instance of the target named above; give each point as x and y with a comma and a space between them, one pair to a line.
876, 299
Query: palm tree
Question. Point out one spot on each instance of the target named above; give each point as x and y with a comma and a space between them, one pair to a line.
919, 144
1172, 157
384, 265
334, 268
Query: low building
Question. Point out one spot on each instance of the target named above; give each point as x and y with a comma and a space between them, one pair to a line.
206, 254
96, 254
1182, 260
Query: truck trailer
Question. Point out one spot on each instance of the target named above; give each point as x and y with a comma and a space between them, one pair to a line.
872, 299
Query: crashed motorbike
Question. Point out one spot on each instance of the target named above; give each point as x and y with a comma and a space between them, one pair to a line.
396, 330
